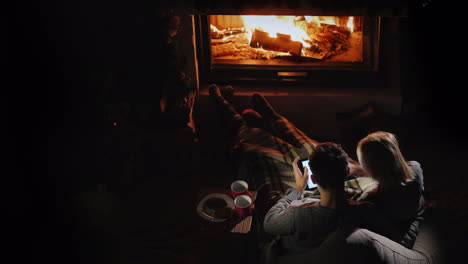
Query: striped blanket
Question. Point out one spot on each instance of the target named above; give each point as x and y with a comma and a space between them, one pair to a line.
266, 157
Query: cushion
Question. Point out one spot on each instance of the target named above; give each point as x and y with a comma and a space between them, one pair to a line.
364, 246
374, 248
325, 253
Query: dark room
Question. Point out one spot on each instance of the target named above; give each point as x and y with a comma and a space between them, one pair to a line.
215, 131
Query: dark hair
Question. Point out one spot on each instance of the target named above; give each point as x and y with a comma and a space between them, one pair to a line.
329, 164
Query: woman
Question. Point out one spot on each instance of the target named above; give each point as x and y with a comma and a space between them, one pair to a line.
399, 194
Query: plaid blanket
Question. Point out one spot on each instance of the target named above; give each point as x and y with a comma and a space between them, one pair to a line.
267, 156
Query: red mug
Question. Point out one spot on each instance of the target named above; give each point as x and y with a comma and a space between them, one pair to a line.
239, 188
243, 205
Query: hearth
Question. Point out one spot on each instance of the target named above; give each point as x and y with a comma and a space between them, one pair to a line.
305, 59
303, 48
317, 41
286, 43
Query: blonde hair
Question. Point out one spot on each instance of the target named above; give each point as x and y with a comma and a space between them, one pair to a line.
381, 158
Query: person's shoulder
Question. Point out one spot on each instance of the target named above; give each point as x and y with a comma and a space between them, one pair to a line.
314, 208
414, 163
416, 167
314, 204
306, 210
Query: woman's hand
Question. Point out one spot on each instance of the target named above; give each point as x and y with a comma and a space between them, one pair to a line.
301, 177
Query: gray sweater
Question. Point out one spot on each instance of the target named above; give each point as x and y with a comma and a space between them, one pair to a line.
300, 224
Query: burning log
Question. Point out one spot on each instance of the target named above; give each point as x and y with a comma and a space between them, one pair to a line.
282, 43
223, 49
298, 58
328, 40
215, 42
219, 34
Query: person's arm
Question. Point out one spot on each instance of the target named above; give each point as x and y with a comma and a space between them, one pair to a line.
300, 177
355, 168
280, 218
410, 236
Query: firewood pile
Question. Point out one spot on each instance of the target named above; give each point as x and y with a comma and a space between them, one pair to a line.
235, 43
325, 42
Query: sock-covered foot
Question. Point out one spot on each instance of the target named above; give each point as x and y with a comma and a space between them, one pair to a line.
261, 105
215, 92
227, 92
252, 118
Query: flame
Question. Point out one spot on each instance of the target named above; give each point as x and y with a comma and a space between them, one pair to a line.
328, 20
309, 19
323, 19
350, 24
274, 25
300, 28
213, 28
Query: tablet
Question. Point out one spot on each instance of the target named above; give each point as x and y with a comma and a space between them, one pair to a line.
304, 163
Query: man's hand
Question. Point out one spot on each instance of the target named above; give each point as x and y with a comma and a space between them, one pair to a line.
301, 177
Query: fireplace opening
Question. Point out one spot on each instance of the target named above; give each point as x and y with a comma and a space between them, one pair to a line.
318, 50
286, 40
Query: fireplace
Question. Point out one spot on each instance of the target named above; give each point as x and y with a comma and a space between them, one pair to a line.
320, 50
317, 41
342, 58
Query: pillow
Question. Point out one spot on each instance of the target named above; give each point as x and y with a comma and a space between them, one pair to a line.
374, 248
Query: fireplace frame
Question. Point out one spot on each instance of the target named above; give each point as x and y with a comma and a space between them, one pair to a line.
362, 74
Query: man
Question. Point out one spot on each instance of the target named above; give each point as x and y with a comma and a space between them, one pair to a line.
299, 224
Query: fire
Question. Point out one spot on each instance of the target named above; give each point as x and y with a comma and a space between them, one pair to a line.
272, 37
215, 29
274, 25
318, 20
350, 24
311, 19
